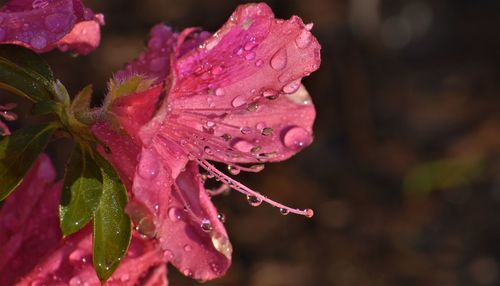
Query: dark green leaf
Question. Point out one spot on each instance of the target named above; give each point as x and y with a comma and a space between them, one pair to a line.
18, 152
81, 192
47, 107
112, 227
24, 72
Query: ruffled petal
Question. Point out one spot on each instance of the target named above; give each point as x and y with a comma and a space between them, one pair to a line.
187, 228
237, 97
42, 25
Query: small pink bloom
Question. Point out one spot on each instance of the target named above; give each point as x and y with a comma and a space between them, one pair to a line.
34, 252
42, 25
233, 97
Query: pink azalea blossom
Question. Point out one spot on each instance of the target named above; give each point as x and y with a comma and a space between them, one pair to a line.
42, 25
34, 252
233, 97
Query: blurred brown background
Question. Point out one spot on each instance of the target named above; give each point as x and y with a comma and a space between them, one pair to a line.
404, 174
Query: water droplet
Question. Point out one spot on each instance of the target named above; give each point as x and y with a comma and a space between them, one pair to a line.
233, 170
242, 145
187, 272
267, 131
125, 277
217, 70
252, 107
175, 214
309, 213
303, 40
75, 281
38, 42
219, 91
206, 225
255, 149
226, 137
76, 256
222, 244
254, 201
187, 248
245, 130
215, 268
238, 101
221, 216
167, 254
292, 86
250, 45
207, 150
210, 124
296, 138
148, 166
284, 211
279, 60
146, 227
270, 94
57, 22
250, 56
259, 63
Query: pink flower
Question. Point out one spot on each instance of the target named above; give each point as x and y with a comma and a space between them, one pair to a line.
8, 115
34, 252
42, 25
234, 97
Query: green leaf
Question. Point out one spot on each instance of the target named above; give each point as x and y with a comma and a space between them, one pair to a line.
25, 73
112, 227
18, 152
81, 192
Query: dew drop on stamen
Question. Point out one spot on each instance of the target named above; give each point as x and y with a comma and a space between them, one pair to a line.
296, 138
221, 216
233, 170
254, 201
206, 225
309, 213
279, 59
284, 211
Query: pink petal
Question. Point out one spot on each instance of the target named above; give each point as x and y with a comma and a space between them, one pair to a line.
220, 102
154, 62
180, 208
42, 25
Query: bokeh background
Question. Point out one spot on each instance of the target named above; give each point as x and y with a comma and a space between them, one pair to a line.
404, 173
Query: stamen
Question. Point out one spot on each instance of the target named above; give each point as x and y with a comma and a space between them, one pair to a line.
222, 189
247, 191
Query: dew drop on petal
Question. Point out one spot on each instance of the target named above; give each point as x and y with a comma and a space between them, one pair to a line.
75, 281
284, 211
303, 40
292, 86
238, 101
245, 130
267, 131
217, 70
215, 268
219, 91
206, 225
252, 107
148, 166
167, 254
254, 201
38, 42
279, 59
125, 277
222, 244
76, 256
296, 138
259, 63
187, 248
270, 94
174, 214
242, 145
187, 272
250, 56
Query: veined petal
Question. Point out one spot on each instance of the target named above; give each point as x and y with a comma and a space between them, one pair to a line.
187, 228
42, 25
243, 79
